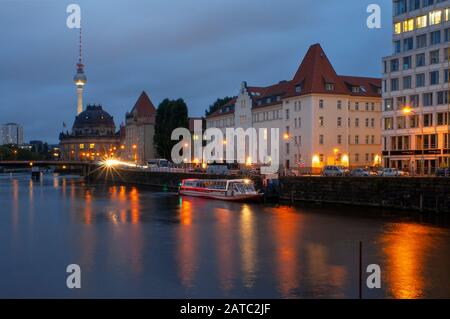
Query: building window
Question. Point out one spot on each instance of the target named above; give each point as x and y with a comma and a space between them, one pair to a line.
407, 63
420, 80
414, 5
91, 146
339, 104
420, 60
394, 84
408, 44
434, 57
287, 148
397, 46
388, 123
421, 41
435, 37
356, 106
394, 65
442, 97
397, 28
434, 77
320, 104
356, 139
357, 122
367, 122
81, 146
339, 139
399, 7
372, 139
407, 82
408, 25
287, 114
321, 139
388, 105
414, 100
421, 22
435, 17
442, 118
339, 121
367, 139
356, 157
372, 122
428, 120
427, 99
413, 121
329, 86
401, 122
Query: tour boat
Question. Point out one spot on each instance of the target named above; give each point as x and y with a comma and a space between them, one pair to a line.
229, 189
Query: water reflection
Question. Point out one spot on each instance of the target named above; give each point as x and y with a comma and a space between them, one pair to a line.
407, 248
248, 246
287, 226
142, 243
187, 248
225, 252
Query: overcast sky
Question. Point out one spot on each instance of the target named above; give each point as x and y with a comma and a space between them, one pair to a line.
198, 50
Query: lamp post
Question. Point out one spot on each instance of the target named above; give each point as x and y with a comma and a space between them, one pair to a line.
135, 154
287, 137
408, 111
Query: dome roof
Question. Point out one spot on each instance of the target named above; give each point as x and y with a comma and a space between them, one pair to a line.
94, 116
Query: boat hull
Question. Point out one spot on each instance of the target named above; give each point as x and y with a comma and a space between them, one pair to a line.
222, 196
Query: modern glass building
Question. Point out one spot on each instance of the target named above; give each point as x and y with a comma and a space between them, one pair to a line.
416, 107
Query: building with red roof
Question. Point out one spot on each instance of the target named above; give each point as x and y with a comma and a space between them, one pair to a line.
323, 118
139, 131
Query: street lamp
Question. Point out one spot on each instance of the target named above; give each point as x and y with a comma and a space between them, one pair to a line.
288, 137
408, 111
135, 153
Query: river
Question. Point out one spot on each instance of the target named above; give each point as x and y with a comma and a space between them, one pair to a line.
135, 242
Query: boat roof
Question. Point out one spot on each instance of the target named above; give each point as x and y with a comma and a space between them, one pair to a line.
215, 180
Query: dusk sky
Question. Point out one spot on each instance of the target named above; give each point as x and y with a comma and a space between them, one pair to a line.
197, 50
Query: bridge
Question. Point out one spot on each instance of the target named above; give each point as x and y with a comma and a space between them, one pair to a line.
82, 168
46, 163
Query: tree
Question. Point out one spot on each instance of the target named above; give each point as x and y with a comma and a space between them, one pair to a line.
171, 114
217, 105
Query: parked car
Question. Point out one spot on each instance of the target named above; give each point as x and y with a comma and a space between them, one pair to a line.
392, 172
345, 169
359, 172
332, 171
217, 169
443, 172
158, 163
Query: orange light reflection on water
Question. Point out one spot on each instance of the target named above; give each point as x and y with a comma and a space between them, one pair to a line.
406, 248
187, 247
287, 227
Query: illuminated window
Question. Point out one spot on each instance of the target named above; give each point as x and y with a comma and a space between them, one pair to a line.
447, 14
81, 146
435, 17
421, 22
91, 146
408, 25
398, 28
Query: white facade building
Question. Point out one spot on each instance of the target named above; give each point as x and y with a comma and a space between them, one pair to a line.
415, 88
140, 131
11, 133
323, 118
